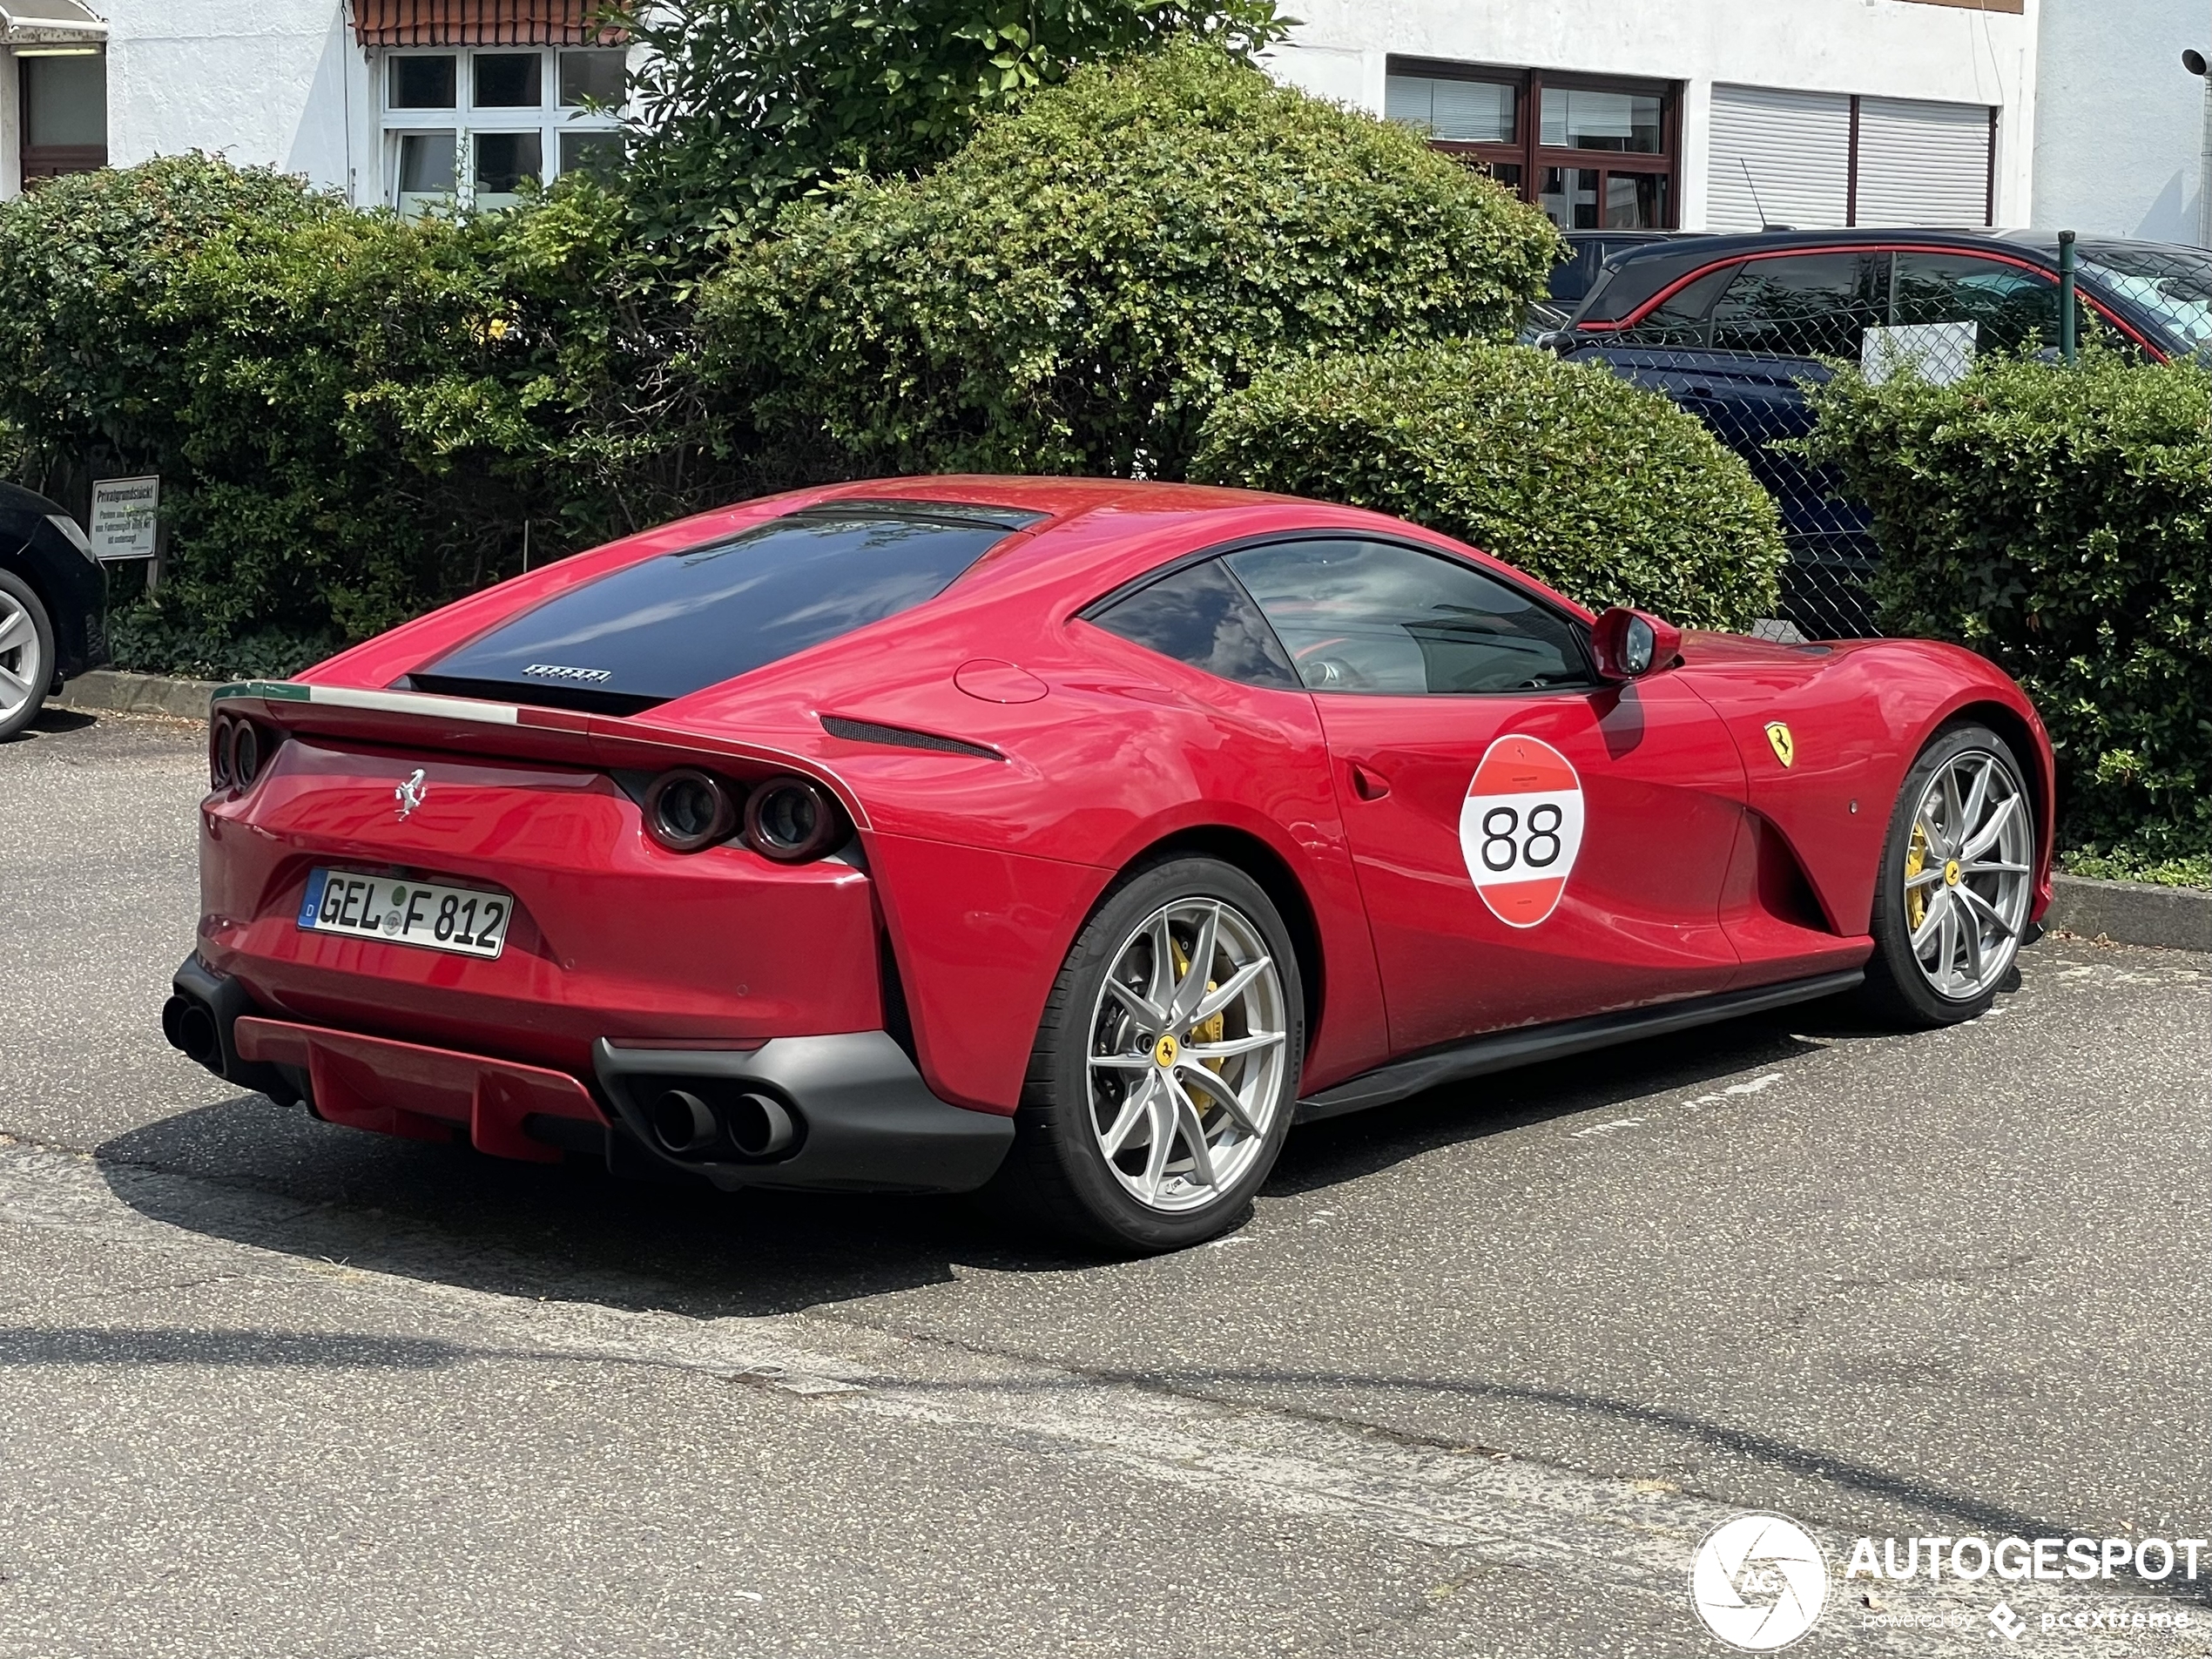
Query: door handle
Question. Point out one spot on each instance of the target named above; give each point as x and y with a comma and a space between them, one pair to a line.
1368, 786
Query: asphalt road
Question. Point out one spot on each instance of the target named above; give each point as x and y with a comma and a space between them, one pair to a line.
1474, 1380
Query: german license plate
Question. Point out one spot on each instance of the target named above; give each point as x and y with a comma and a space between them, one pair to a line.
465, 920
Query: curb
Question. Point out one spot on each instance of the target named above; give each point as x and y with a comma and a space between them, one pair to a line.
107, 690
2131, 912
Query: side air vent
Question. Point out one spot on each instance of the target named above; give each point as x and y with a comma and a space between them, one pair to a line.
898, 737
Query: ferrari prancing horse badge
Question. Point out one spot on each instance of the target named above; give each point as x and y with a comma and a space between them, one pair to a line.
1785, 746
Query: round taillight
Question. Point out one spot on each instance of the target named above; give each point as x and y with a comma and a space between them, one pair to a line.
246, 754
792, 819
687, 810
221, 733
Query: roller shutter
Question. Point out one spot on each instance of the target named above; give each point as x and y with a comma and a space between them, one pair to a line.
1923, 164
1778, 157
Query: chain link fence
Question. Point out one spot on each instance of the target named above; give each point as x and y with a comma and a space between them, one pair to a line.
1739, 348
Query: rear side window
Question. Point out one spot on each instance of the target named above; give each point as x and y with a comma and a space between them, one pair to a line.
677, 624
1803, 305
1374, 616
1202, 616
1683, 320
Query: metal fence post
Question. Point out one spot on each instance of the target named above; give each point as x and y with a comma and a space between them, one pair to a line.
2067, 344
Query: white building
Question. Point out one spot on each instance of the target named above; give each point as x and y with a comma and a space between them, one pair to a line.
1706, 114
391, 101
1692, 114
2120, 124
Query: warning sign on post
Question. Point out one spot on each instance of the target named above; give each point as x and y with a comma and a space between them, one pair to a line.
1521, 828
125, 515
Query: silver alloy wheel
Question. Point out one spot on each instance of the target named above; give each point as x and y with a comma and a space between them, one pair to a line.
23, 674
1187, 1054
1966, 875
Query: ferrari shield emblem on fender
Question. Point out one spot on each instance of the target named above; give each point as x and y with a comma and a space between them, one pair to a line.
1785, 746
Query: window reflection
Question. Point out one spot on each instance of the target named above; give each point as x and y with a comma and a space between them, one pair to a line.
686, 620
1374, 617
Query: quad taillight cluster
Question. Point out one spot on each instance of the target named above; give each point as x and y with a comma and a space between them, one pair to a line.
788, 819
237, 751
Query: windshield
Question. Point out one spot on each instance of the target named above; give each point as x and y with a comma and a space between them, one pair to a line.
2173, 284
670, 626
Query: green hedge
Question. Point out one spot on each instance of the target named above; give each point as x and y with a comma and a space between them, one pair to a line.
2059, 521
1602, 490
1076, 288
354, 417
739, 106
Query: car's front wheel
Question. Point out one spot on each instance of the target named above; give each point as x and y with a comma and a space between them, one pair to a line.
1957, 878
26, 654
1166, 1067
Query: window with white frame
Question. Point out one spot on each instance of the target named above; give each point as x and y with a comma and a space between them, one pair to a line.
465, 128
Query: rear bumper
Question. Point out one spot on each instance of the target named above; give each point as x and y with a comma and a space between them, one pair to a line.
869, 1123
867, 1120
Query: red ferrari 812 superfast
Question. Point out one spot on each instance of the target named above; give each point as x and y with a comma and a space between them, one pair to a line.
1075, 838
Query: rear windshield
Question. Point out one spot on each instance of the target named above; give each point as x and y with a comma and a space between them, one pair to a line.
682, 621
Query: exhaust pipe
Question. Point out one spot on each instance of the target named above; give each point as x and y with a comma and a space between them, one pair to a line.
757, 1126
683, 1124
198, 1019
190, 1026
760, 1127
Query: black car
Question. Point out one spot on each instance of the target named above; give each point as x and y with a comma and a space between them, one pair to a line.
1572, 277
1734, 328
52, 595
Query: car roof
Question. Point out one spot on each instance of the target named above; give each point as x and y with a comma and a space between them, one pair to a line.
1634, 277
1052, 498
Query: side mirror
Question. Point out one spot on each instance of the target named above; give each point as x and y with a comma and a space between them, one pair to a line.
1559, 341
1630, 644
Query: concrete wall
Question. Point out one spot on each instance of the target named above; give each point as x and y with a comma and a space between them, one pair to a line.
11, 127
2120, 129
276, 83
1879, 48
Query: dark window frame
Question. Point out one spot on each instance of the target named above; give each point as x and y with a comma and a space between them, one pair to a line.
38, 163
1624, 329
1529, 155
1578, 628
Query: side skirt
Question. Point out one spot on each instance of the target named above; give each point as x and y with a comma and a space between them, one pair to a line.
1503, 1050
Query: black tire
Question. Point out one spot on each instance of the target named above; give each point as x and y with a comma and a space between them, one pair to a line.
1897, 992
32, 661
1056, 1175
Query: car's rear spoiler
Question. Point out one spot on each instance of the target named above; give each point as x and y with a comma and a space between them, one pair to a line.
507, 731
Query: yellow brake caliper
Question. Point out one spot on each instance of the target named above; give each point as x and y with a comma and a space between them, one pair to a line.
1916, 899
1210, 1030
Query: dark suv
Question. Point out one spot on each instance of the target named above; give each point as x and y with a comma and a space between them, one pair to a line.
1734, 327
52, 595
1574, 276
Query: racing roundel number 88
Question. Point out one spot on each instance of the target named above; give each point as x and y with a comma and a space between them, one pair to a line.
1520, 828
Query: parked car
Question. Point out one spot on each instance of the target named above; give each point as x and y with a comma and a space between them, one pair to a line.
1571, 279
1075, 834
1734, 328
52, 596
